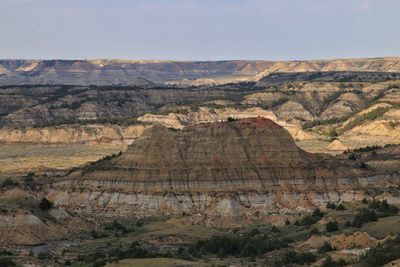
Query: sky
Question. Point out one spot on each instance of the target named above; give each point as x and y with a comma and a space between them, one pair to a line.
199, 29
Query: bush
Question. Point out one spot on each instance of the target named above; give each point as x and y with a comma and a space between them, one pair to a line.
326, 247
6, 262
340, 207
311, 219
287, 222
364, 216
381, 254
5, 252
45, 204
352, 157
317, 214
330, 205
9, 183
244, 246
42, 256
370, 116
383, 208
364, 201
314, 231
99, 263
291, 257
328, 262
331, 226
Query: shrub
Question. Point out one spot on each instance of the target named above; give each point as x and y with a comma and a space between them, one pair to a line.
352, 157
291, 257
5, 262
317, 213
287, 222
370, 116
340, 207
45, 204
328, 262
326, 247
364, 216
331, 226
364, 201
381, 254
330, 205
279, 102
275, 229
42, 256
254, 232
9, 183
314, 231
311, 219
383, 208
244, 246
5, 252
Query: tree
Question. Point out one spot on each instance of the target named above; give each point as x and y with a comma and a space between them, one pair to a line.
340, 207
45, 204
317, 214
314, 231
326, 247
331, 226
352, 157
330, 205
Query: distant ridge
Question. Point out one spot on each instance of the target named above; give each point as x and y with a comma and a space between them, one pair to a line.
128, 72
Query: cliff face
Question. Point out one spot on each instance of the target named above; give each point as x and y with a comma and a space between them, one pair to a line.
92, 134
129, 72
243, 170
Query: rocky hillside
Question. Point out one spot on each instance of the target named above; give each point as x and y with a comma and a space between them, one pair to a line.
130, 72
217, 173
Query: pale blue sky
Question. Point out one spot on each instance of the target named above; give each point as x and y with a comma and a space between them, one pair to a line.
199, 30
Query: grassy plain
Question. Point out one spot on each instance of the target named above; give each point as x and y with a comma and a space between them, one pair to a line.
22, 158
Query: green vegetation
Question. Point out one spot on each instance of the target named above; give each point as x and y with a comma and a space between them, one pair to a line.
326, 247
376, 209
330, 205
364, 216
45, 204
370, 116
381, 254
332, 226
292, 257
8, 183
383, 208
310, 219
340, 207
242, 246
367, 149
279, 102
6, 262
329, 262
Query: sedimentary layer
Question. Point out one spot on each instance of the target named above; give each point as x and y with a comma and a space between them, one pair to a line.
243, 169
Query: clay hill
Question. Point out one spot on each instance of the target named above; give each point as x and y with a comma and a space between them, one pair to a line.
237, 170
131, 72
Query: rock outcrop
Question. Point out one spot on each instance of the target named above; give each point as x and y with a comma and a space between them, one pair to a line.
91, 133
219, 173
